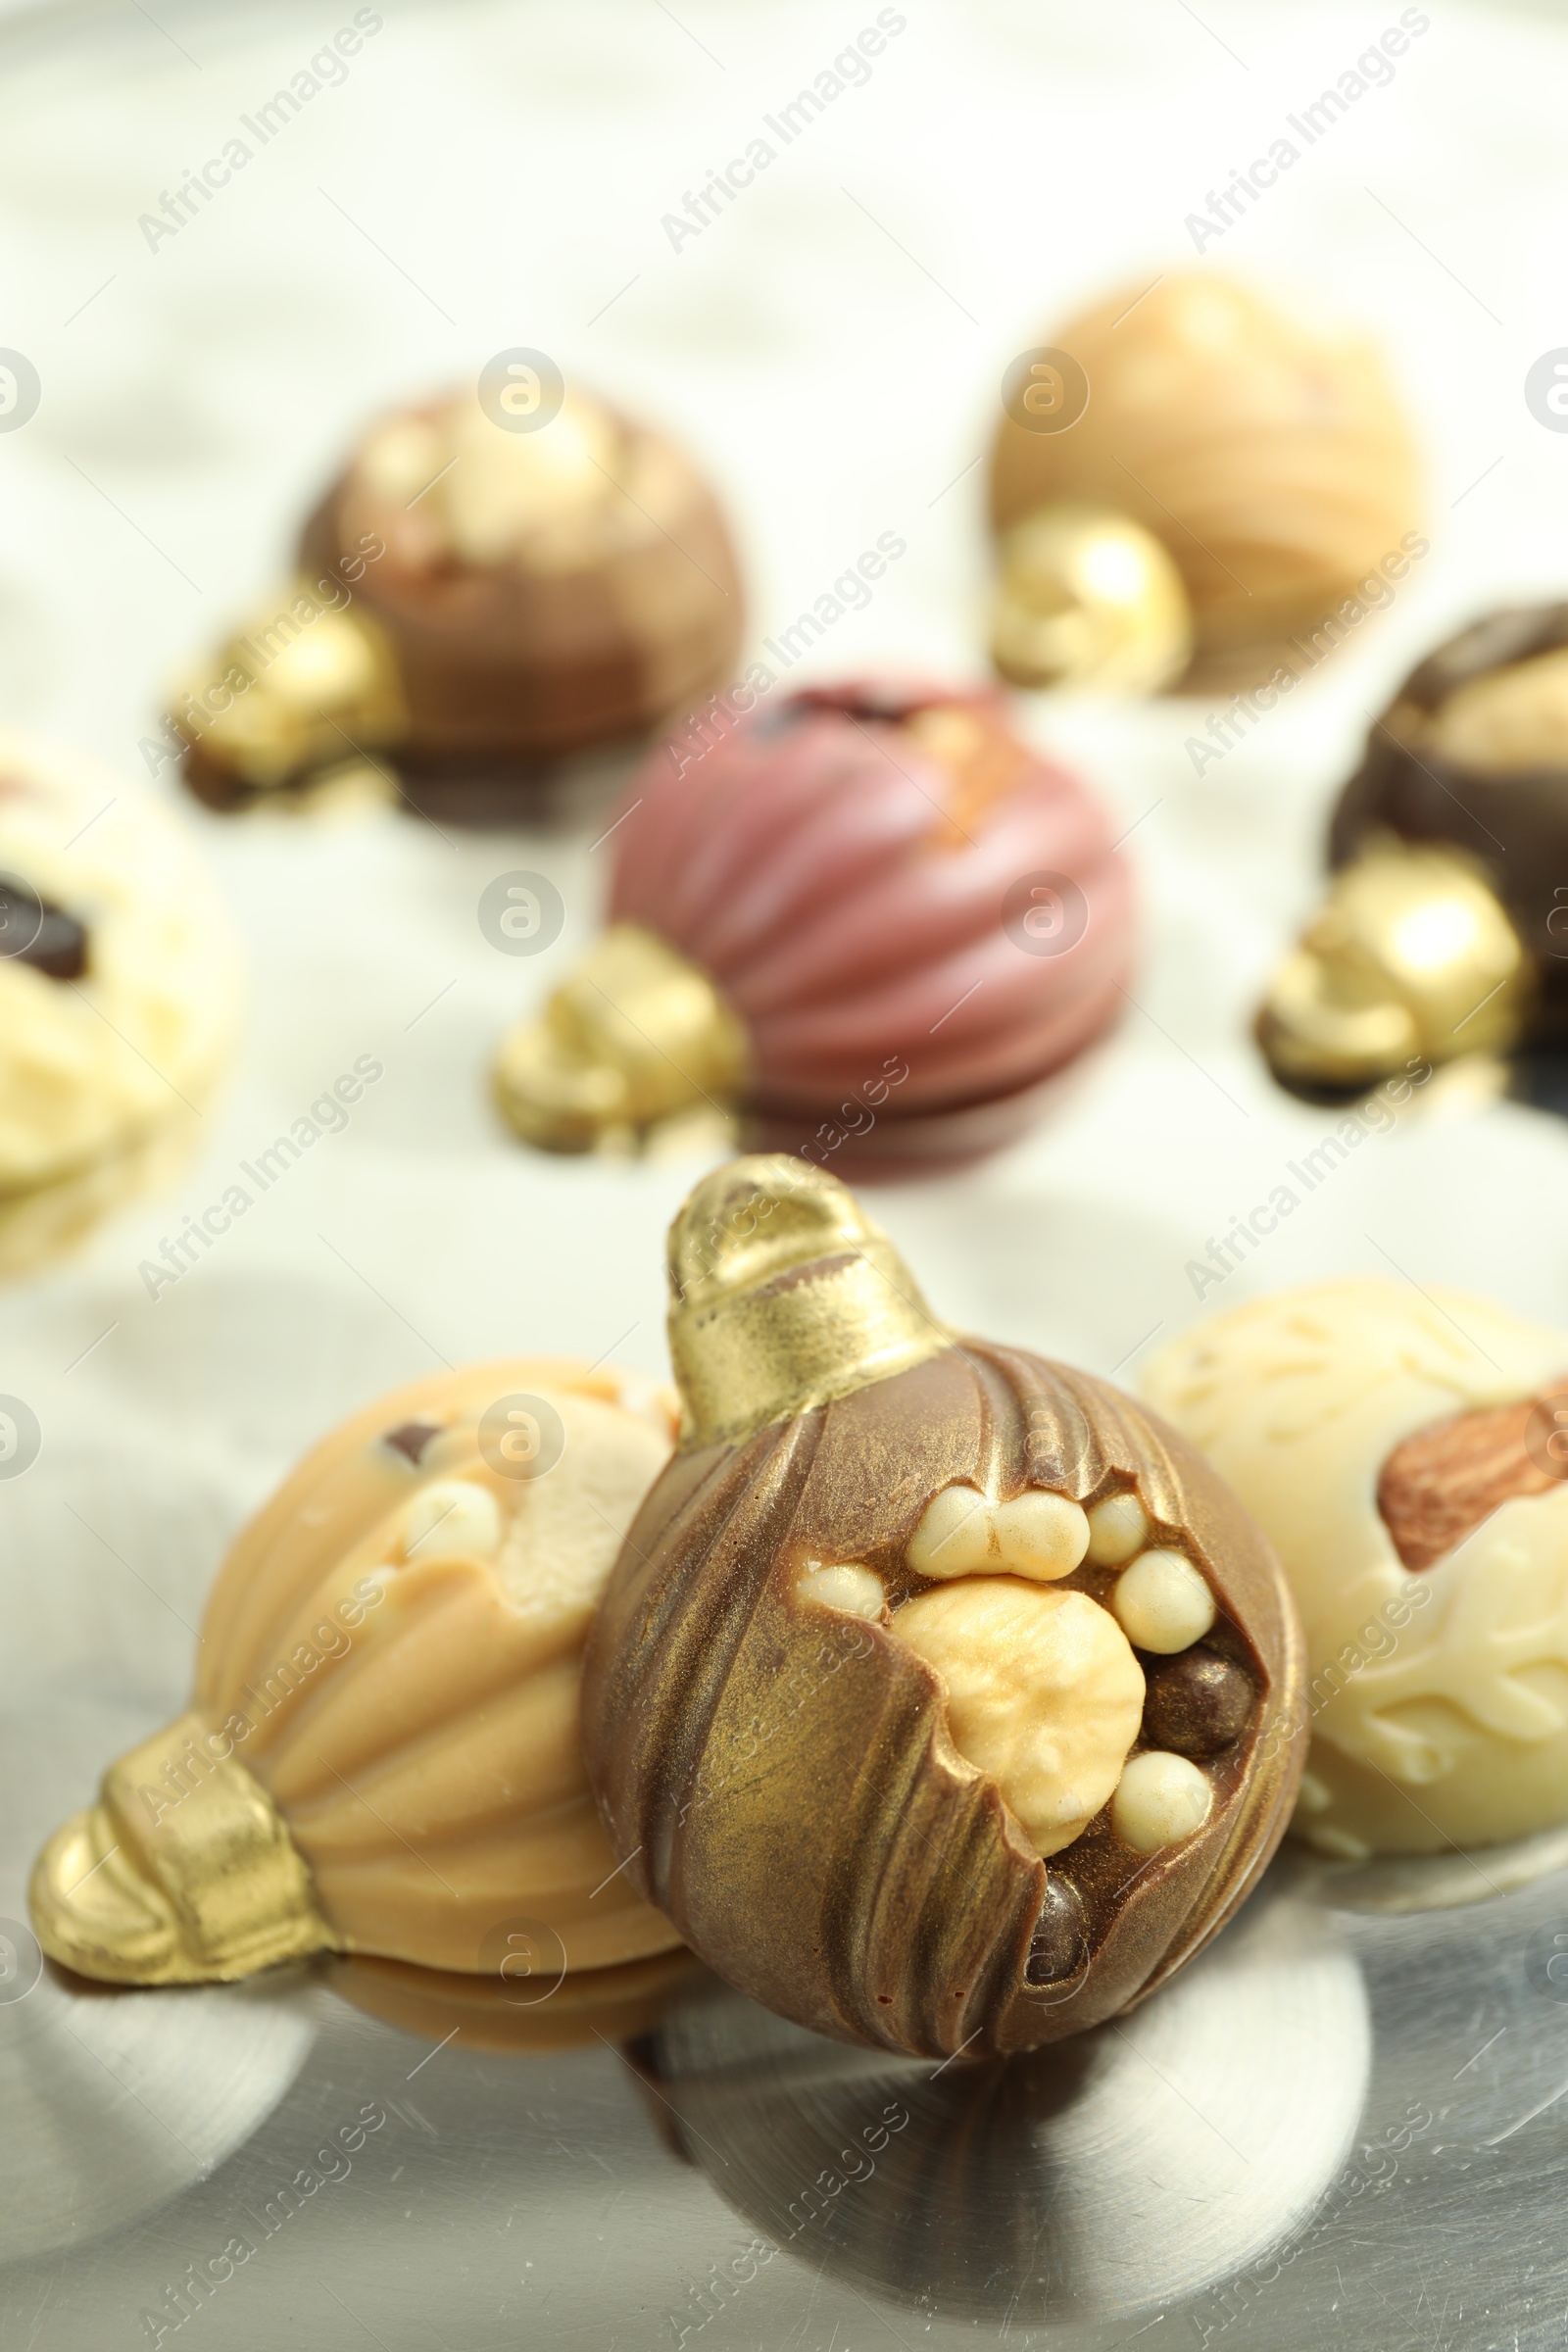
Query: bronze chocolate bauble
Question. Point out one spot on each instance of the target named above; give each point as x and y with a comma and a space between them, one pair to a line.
864, 1700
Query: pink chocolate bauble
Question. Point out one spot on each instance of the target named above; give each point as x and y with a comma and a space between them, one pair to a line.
883, 876
867, 919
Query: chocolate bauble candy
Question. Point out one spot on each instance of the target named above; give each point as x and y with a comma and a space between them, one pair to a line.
381, 1754
120, 995
869, 919
1471, 755
1265, 450
1407, 1451
1444, 930
481, 595
864, 1702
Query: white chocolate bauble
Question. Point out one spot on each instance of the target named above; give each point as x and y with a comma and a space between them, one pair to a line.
1439, 1699
93, 1066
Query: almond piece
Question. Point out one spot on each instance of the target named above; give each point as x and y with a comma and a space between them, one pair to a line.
1437, 1486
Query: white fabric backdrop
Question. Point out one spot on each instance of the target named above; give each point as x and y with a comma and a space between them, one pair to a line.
489, 176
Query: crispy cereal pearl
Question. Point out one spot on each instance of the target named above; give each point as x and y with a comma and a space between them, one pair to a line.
1116, 1529
1162, 1603
1061, 1936
847, 1587
1197, 1704
1036, 1535
1161, 1799
953, 1536
1041, 1536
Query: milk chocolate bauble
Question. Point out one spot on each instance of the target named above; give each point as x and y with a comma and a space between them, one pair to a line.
942, 1697
481, 594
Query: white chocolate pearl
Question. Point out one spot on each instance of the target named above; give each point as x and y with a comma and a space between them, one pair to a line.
854, 1589
1041, 1536
954, 1538
1116, 1528
1162, 1603
452, 1519
1159, 1800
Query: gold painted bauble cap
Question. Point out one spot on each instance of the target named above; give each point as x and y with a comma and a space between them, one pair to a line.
1411, 957
635, 1035
784, 1296
150, 1886
1087, 597
289, 698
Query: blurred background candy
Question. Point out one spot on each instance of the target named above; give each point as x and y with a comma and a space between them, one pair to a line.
495, 583
1409, 961
1265, 450
120, 995
868, 918
1085, 597
1444, 930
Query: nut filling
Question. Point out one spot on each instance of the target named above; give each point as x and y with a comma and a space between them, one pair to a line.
1439, 1485
1044, 1692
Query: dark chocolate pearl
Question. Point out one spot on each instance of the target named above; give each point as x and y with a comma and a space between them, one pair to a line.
1058, 1940
33, 931
411, 1439
1197, 1703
